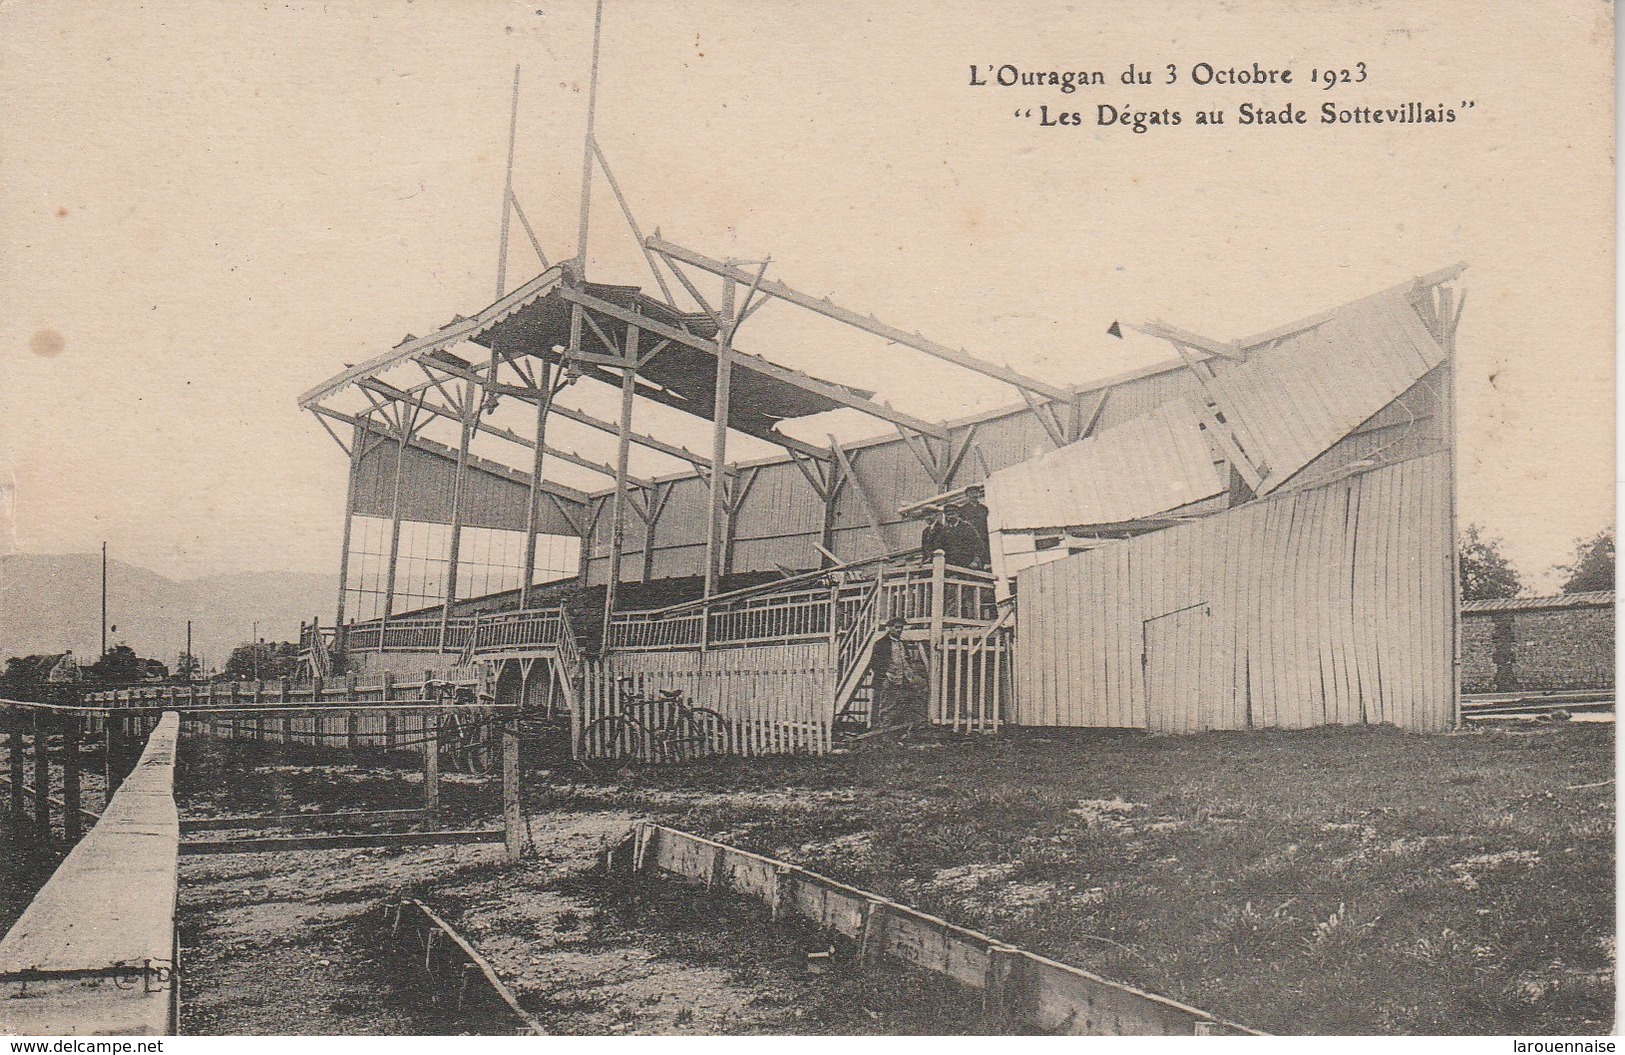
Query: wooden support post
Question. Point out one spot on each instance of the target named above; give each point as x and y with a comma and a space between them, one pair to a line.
782, 896
720, 408
357, 446
42, 777
1001, 990
470, 411
431, 767
512, 819
872, 934
1449, 310
408, 422
72, 821
533, 511
939, 565
112, 751
19, 763
617, 522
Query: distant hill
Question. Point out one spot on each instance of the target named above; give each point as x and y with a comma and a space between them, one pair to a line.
49, 603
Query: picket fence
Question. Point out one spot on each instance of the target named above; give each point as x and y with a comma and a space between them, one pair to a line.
786, 709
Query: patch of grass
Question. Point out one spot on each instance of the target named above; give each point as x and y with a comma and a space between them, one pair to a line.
1325, 881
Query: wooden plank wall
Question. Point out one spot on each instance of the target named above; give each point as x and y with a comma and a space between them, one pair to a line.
1325, 606
492, 499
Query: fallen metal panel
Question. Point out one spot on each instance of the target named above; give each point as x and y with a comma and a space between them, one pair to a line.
1293, 399
1147, 465
449, 963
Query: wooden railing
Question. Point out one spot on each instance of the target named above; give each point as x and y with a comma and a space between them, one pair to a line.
656, 631
94, 952
858, 628
512, 631
382, 687
469, 637
407, 635
919, 594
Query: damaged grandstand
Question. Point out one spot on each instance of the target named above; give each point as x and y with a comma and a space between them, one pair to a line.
1256, 533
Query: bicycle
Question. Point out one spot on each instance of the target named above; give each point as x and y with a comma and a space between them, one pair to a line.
465, 740
662, 728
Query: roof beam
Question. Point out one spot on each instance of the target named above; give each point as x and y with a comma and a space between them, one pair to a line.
958, 356
877, 521
460, 330
755, 364
1046, 417
557, 490
583, 418
502, 434
1232, 351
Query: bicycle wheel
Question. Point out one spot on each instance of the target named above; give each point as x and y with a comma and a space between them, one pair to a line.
612, 738
707, 732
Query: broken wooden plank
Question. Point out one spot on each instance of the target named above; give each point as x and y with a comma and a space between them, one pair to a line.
451, 949
1023, 986
272, 844
290, 820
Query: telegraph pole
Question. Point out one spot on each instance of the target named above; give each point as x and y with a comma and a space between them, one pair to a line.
104, 600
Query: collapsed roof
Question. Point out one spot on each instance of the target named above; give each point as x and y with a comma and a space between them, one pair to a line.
535, 321
1269, 406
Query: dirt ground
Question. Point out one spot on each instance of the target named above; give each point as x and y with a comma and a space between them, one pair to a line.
291, 943
1330, 881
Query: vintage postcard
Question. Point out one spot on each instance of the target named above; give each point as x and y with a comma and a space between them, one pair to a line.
684, 517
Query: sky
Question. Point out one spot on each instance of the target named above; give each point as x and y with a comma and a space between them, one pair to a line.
208, 208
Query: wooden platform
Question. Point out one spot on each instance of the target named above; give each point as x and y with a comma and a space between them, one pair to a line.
94, 953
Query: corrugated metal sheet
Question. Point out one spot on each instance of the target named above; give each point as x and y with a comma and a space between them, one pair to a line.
1293, 399
1329, 606
1409, 427
1147, 465
1288, 404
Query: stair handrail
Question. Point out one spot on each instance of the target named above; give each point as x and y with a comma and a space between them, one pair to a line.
569, 647
849, 644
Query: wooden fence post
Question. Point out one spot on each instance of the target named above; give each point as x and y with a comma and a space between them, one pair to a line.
350, 740
387, 691
72, 825
19, 764
512, 820
934, 680
112, 746
431, 767
42, 776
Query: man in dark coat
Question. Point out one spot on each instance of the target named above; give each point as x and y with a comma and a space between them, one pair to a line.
933, 537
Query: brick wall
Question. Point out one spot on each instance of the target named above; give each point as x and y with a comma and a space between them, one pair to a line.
1537, 644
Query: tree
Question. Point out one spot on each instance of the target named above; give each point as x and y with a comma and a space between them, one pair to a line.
187, 666
121, 666
24, 678
1593, 567
264, 660
1485, 572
